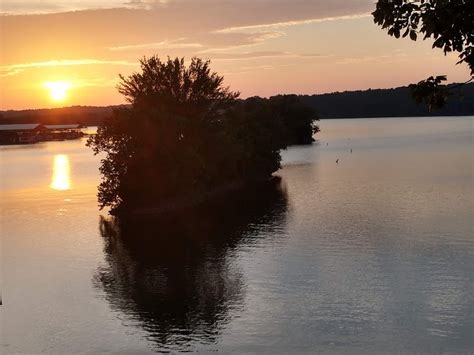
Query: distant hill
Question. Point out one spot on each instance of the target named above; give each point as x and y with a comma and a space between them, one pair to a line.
386, 103
349, 104
86, 115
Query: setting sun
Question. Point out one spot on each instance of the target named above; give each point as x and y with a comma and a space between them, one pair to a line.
58, 89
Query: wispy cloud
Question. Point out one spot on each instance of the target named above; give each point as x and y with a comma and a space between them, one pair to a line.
13, 69
14, 7
219, 56
261, 67
249, 69
389, 58
11, 72
245, 40
146, 4
96, 82
276, 25
166, 44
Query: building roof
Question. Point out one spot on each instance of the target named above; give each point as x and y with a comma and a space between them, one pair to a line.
20, 127
63, 126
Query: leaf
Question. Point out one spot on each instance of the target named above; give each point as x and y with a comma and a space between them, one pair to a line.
439, 42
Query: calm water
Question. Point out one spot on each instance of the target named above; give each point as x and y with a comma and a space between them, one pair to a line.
374, 254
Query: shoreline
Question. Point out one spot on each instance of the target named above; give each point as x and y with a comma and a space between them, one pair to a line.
191, 200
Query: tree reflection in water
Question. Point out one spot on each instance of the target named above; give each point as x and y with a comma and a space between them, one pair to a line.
174, 275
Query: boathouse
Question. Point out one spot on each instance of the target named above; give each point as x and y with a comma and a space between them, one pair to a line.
36, 132
21, 133
63, 131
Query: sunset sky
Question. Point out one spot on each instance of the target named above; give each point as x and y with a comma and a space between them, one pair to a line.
62, 53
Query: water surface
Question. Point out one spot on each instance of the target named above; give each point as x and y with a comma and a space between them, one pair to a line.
373, 254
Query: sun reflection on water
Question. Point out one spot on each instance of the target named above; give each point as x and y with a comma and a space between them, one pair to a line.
61, 173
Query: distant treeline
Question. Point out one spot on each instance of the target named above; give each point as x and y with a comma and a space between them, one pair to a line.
349, 104
86, 115
396, 102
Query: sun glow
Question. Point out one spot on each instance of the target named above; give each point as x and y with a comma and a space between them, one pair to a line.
58, 90
61, 173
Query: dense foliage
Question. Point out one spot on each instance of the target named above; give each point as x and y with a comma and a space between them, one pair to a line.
185, 133
297, 118
450, 23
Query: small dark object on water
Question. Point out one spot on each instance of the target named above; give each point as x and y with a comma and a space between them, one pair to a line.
351, 150
337, 161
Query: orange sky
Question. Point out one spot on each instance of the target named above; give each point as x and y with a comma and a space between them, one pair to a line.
262, 47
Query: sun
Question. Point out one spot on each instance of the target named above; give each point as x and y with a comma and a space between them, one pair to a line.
58, 90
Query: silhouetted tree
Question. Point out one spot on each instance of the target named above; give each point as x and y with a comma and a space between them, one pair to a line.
184, 133
298, 118
256, 135
449, 22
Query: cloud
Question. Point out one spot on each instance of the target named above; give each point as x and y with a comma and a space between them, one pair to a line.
249, 69
166, 44
146, 4
389, 58
13, 69
229, 10
216, 56
11, 72
145, 25
275, 25
231, 41
17, 7
96, 82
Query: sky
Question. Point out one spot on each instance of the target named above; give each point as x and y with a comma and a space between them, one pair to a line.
62, 53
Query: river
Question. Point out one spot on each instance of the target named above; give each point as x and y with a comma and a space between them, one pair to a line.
370, 254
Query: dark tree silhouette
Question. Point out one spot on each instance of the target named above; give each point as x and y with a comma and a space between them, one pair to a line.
297, 117
449, 22
186, 135
164, 143
172, 87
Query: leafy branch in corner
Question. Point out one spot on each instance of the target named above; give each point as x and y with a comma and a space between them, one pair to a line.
450, 23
